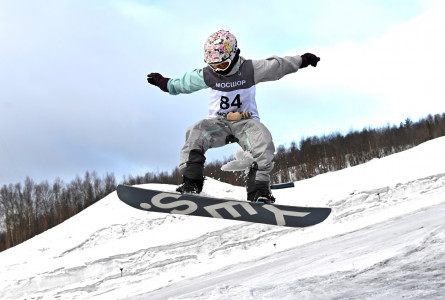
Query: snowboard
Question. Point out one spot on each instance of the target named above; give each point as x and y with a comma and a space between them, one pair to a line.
195, 205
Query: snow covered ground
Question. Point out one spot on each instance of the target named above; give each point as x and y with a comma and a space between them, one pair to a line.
385, 239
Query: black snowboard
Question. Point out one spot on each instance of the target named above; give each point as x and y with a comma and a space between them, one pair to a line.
195, 205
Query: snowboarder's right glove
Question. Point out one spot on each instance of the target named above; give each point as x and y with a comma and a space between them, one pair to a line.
236, 116
158, 80
309, 59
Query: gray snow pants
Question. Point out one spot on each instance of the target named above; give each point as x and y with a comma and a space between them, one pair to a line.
250, 134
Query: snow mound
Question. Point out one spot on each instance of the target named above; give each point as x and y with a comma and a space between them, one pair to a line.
384, 238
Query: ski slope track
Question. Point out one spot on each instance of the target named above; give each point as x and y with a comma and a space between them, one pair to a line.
385, 239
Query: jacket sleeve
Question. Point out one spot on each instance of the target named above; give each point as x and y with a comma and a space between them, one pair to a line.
190, 82
275, 67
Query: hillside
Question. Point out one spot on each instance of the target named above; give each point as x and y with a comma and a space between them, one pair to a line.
384, 238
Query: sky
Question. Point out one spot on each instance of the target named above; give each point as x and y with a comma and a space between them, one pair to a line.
74, 96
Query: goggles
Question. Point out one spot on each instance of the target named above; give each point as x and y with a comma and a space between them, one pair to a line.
221, 66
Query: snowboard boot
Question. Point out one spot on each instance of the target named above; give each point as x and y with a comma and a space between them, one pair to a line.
258, 191
261, 196
191, 186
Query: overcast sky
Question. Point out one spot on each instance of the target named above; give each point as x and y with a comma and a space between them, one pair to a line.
74, 96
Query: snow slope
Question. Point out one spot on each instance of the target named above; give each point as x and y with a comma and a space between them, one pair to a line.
384, 239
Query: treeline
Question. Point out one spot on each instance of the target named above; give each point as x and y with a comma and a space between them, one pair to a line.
30, 208
318, 155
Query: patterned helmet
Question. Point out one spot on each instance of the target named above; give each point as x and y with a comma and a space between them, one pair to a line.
220, 46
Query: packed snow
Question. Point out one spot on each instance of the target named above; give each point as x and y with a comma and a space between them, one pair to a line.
243, 160
385, 239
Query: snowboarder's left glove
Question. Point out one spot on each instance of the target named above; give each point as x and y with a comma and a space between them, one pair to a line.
236, 116
309, 59
158, 80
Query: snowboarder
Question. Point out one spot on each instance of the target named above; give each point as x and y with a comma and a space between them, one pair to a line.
232, 115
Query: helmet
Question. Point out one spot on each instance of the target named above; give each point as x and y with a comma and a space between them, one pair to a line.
219, 47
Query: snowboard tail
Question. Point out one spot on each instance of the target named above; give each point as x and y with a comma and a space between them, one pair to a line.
195, 205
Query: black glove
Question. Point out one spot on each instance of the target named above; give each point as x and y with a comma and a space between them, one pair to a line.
309, 59
158, 80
